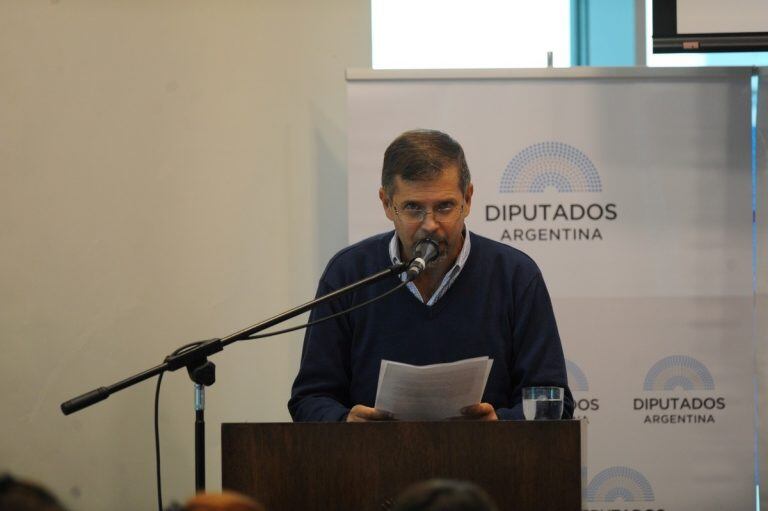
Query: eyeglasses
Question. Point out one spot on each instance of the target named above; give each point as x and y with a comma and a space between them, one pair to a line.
443, 214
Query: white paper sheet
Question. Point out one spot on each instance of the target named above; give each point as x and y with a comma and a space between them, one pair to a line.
431, 392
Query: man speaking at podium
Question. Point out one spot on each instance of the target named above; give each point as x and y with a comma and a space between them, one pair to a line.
477, 298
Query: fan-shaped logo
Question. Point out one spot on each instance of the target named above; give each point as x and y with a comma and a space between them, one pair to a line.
550, 165
678, 371
616, 483
577, 380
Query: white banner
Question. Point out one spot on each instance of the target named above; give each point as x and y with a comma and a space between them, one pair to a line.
632, 191
761, 267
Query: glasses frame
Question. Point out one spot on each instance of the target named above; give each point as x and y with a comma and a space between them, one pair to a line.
426, 212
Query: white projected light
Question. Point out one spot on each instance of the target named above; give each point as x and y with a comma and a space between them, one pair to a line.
439, 34
716, 16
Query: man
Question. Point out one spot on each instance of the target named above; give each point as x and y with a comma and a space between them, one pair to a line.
444, 495
478, 298
224, 501
20, 495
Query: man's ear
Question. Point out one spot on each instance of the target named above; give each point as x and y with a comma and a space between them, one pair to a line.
386, 203
468, 198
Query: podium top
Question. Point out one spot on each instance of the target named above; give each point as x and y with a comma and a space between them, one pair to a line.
523, 465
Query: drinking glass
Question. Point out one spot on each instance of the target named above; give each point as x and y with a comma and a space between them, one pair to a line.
542, 403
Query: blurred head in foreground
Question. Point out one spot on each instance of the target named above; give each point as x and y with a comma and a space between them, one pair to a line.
444, 495
225, 501
16, 495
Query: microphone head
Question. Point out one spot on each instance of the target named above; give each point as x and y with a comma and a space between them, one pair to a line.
426, 249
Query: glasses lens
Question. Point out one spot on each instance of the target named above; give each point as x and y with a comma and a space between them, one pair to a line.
413, 216
446, 214
417, 215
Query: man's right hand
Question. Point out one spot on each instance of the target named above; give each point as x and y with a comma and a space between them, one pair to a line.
360, 413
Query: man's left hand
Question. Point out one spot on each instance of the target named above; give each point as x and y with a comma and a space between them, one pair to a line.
479, 412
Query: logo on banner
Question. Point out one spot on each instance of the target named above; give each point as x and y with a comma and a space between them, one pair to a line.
679, 371
682, 391
550, 165
619, 484
577, 381
541, 176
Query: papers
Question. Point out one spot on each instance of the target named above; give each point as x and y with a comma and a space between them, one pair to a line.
432, 392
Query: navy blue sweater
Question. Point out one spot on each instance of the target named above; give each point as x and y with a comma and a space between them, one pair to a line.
498, 306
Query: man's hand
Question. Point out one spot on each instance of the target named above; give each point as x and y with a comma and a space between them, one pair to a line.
360, 413
479, 412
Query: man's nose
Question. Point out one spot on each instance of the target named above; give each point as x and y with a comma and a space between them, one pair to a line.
429, 224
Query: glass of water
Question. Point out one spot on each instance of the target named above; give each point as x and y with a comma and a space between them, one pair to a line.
542, 403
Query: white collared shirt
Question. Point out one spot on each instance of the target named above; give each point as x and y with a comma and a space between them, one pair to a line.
448, 279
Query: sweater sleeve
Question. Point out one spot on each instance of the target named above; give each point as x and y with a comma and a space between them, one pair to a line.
320, 392
537, 354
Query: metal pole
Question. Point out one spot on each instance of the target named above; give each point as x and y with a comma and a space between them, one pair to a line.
199, 438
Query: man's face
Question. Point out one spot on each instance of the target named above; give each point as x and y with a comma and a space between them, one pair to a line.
437, 195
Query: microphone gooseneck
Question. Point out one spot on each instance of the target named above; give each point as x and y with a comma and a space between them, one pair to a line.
424, 252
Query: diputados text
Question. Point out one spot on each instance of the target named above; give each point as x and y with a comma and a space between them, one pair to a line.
550, 212
551, 222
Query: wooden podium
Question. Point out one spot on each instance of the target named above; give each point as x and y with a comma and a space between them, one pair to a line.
523, 465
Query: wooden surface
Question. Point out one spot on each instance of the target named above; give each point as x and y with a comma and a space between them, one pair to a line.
523, 465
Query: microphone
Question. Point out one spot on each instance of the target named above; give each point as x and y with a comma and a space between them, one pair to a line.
425, 251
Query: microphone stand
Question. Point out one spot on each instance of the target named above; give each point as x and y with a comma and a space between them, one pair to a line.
202, 372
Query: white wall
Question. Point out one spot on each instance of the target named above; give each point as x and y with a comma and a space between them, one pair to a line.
170, 171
